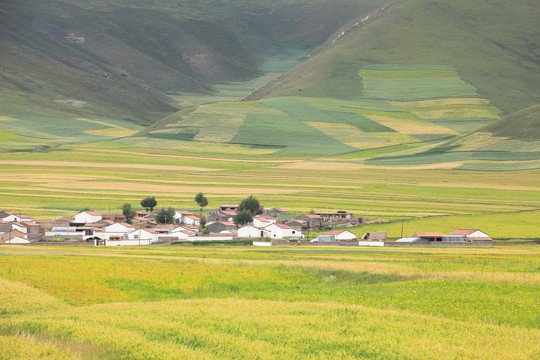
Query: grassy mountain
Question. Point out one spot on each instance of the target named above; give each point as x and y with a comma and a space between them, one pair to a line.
521, 125
492, 44
120, 59
410, 83
401, 83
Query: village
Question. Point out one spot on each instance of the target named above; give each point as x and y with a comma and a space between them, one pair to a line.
268, 227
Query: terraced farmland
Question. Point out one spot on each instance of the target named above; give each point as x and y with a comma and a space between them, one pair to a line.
399, 104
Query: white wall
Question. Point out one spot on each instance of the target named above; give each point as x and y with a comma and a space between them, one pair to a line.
142, 234
128, 242
371, 243
17, 240
180, 235
251, 232
277, 232
262, 243
209, 238
189, 221
64, 233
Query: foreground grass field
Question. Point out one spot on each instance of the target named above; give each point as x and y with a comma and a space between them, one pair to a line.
150, 303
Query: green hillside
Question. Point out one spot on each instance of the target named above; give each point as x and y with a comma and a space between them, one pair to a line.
492, 44
124, 59
521, 125
409, 84
387, 84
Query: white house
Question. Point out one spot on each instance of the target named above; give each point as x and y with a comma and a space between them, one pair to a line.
143, 234
87, 217
119, 228
250, 231
342, 234
471, 234
282, 231
184, 227
180, 234
17, 218
115, 231
191, 220
14, 237
179, 215
20, 227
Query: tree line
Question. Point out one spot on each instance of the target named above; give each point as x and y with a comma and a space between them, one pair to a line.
248, 208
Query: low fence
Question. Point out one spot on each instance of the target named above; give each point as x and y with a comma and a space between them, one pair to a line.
371, 243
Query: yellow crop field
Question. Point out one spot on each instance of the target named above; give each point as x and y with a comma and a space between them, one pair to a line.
294, 303
439, 103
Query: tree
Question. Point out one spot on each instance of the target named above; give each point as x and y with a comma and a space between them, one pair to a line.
251, 204
244, 217
128, 212
165, 216
202, 226
201, 200
149, 203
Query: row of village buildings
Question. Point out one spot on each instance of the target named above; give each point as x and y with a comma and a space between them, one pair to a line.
273, 227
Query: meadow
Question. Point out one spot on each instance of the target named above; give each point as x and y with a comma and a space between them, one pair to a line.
224, 302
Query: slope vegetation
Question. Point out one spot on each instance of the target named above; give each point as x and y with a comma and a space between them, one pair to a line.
492, 44
119, 59
409, 83
521, 125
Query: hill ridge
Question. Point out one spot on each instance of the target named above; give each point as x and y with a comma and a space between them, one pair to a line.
356, 24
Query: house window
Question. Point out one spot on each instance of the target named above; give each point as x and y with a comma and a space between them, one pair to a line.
136, 236
294, 232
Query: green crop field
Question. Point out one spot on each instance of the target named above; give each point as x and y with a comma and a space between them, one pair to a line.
400, 104
406, 83
177, 302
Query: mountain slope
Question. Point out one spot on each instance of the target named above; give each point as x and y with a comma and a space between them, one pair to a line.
119, 59
403, 85
521, 125
492, 44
